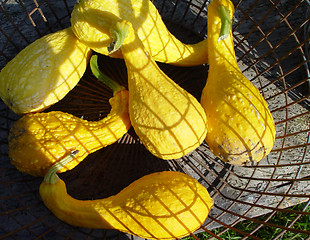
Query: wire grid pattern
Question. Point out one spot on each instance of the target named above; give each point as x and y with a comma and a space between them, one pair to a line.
272, 49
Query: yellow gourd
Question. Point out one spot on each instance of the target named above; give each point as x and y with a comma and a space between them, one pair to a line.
161, 205
91, 21
37, 141
240, 125
43, 72
169, 121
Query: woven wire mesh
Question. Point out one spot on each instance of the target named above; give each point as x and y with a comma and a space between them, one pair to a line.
272, 48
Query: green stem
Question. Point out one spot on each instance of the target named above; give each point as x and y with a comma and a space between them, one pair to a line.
224, 14
119, 32
102, 77
51, 177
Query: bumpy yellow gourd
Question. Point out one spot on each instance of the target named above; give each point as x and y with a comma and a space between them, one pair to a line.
91, 21
161, 205
43, 72
240, 125
169, 121
37, 141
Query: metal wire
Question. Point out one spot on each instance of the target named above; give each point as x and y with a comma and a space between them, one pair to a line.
272, 49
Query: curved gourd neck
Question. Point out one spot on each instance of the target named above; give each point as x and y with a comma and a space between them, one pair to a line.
132, 47
220, 40
194, 54
81, 213
102, 77
117, 102
51, 176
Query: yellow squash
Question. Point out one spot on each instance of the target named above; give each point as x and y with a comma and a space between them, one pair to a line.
240, 125
92, 19
43, 72
169, 121
161, 205
37, 141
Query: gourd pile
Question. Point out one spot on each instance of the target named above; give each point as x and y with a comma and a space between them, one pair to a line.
231, 116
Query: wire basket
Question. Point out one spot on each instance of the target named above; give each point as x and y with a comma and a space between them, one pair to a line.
272, 48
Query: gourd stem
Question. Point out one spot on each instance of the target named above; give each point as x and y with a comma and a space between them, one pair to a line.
119, 32
102, 77
224, 14
51, 176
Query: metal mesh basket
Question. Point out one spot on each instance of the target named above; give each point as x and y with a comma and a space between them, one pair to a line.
272, 47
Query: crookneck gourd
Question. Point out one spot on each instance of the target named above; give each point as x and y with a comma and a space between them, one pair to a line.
37, 141
43, 72
169, 121
91, 21
240, 125
161, 205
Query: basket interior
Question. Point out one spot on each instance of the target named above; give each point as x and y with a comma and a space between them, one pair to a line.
271, 43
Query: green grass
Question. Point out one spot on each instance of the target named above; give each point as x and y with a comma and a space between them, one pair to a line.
265, 232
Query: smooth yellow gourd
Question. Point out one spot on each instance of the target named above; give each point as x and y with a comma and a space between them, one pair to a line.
169, 121
43, 72
240, 125
92, 19
37, 141
161, 205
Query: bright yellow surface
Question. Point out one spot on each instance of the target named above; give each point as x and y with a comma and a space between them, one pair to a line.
37, 141
240, 125
169, 121
92, 19
43, 72
162, 205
